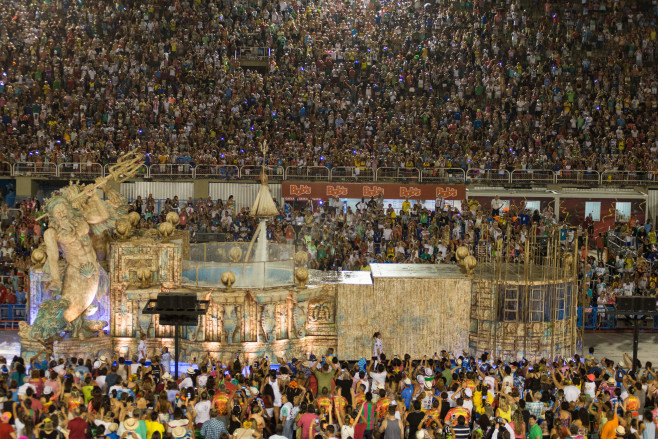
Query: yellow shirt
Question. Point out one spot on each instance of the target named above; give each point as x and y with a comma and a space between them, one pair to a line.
152, 427
479, 404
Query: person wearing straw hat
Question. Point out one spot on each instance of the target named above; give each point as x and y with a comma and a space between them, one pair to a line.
181, 433
133, 424
620, 432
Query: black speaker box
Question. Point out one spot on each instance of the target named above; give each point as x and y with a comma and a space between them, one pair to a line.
174, 308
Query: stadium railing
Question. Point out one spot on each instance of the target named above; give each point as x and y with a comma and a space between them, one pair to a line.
11, 314
33, 169
532, 176
342, 173
633, 178
597, 318
142, 172
309, 173
407, 175
225, 172
488, 176
352, 173
80, 170
183, 170
5, 168
578, 176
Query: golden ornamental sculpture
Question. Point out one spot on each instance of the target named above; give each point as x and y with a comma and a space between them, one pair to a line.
461, 253
228, 279
235, 254
301, 276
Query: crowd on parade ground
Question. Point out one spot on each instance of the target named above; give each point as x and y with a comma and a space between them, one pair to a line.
473, 84
439, 396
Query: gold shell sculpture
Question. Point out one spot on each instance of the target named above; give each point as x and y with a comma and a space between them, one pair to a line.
235, 254
461, 253
228, 279
301, 258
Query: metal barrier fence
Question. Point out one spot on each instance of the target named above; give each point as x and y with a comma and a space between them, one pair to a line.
33, 169
183, 170
10, 315
599, 318
80, 170
532, 176
352, 173
499, 176
222, 172
407, 175
142, 172
577, 176
585, 177
633, 178
443, 175
308, 173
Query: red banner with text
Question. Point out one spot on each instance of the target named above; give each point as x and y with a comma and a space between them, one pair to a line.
324, 191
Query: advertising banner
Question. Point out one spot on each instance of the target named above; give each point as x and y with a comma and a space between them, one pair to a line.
324, 191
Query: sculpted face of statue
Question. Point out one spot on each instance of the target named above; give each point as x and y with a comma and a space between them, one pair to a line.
63, 218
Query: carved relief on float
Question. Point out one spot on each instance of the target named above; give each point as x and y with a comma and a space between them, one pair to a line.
322, 312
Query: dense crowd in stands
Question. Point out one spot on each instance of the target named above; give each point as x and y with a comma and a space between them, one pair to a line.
632, 270
481, 84
19, 235
441, 396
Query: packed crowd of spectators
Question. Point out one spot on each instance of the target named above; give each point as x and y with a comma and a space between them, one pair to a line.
339, 237
18, 237
627, 268
481, 84
440, 396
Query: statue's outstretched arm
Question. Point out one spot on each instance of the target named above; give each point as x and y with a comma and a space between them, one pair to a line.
52, 250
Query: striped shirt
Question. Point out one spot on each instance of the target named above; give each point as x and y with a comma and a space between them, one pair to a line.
369, 415
461, 431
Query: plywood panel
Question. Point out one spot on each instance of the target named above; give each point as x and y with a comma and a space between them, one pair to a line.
413, 315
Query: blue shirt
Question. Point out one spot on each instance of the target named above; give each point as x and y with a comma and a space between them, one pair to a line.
407, 394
